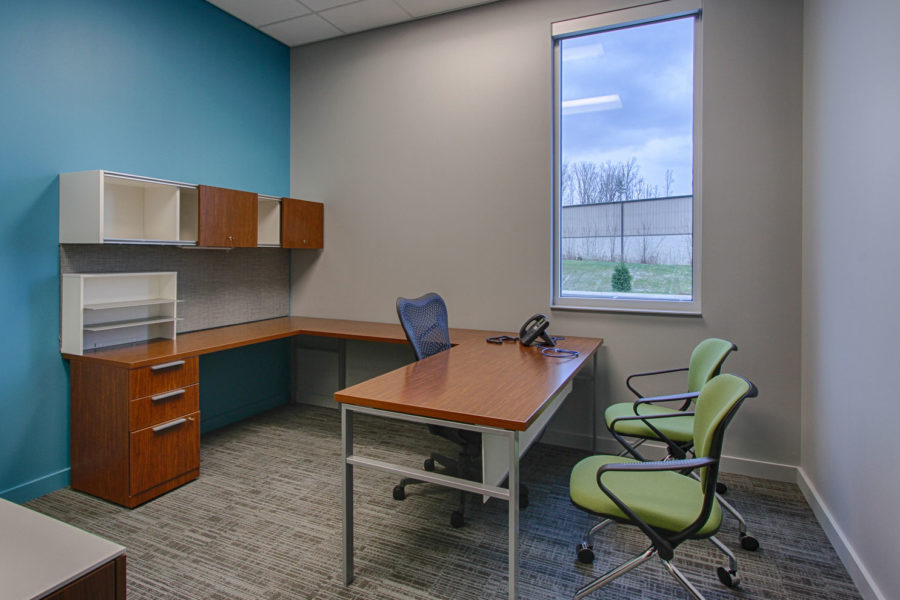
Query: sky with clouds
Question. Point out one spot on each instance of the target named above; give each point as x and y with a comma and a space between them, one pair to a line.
629, 93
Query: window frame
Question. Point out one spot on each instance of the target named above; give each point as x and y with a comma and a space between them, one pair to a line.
643, 14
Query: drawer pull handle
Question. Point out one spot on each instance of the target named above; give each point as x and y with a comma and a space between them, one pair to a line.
167, 395
168, 365
170, 424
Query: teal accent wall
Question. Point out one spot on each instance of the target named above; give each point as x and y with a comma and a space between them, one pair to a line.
175, 89
238, 383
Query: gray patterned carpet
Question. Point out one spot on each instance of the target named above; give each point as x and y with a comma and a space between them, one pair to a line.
263, 521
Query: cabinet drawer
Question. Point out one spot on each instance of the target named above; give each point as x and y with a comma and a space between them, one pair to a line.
164, 451
165, 406
163, 377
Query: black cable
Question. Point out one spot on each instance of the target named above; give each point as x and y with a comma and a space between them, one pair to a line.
548, 351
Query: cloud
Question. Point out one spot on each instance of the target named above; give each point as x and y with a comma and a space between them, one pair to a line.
645, 73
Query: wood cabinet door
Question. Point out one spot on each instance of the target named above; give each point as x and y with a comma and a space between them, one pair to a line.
227, 218
164, 452
302, 223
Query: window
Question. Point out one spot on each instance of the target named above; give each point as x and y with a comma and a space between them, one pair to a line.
626, 204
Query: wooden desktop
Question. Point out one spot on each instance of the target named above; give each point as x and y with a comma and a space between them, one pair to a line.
135, 418
506, 392
135, 415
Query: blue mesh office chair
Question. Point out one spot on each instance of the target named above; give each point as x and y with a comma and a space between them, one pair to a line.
424, 321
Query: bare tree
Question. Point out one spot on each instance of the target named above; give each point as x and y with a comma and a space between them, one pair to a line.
586, 177
588, 182
566, 184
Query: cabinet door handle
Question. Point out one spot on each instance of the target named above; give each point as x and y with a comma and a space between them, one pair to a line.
169, 425
168, 365
166, 395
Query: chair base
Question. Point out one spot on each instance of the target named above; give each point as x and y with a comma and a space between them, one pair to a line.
729, 577
459, 467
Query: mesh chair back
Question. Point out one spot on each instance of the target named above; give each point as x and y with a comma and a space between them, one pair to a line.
706, 361
424, 321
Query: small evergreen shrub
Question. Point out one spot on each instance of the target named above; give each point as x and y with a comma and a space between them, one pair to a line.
621, 278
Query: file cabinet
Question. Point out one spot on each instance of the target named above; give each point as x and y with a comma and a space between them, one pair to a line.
135, 432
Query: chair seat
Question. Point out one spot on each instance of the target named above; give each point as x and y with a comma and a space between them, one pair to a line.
673, 511
677, 429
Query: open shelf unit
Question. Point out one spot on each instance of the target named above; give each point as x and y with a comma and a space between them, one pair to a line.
105, 207
107, 309
269, 227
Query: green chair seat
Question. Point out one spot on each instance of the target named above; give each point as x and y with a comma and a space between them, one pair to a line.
673, 510
677, 429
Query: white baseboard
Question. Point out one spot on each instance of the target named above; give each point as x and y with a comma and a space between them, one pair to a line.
730, 464
867, 587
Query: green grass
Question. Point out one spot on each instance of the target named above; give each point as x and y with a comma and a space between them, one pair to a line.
596, 276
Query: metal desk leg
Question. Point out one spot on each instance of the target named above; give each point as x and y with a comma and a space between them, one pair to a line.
346, 452
342, 364
594, 407
513, 482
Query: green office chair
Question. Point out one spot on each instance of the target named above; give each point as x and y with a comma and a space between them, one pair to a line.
706, 362
624, 420
667, 505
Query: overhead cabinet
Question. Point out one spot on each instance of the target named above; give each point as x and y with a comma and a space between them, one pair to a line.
103, 207
97, 207
227, 218
290, 223
302, 223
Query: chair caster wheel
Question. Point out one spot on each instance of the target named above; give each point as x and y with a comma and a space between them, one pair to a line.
728, 577
399, 492
429, 464
457, 519
748, 542
585, 553
721, 488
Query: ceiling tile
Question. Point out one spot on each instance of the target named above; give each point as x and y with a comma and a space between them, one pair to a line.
367, 14
423, 8
302, 30
262, 12
325, 4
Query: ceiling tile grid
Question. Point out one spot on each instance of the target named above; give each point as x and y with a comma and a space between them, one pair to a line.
298, 22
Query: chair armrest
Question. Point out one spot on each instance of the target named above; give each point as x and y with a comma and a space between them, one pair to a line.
663, 547
681, 464
687, 396
673, 447
648, 374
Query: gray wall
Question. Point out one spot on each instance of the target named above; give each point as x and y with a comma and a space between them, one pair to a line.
430, 144
850, 283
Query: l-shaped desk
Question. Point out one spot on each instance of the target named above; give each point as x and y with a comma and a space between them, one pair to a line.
135, 412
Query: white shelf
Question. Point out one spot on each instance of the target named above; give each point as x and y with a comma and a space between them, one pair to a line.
108, 309
122, 324
127, 303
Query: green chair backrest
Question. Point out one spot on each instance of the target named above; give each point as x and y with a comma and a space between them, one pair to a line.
716, 403
706, 360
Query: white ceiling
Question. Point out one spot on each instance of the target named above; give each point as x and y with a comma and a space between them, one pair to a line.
297, 22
